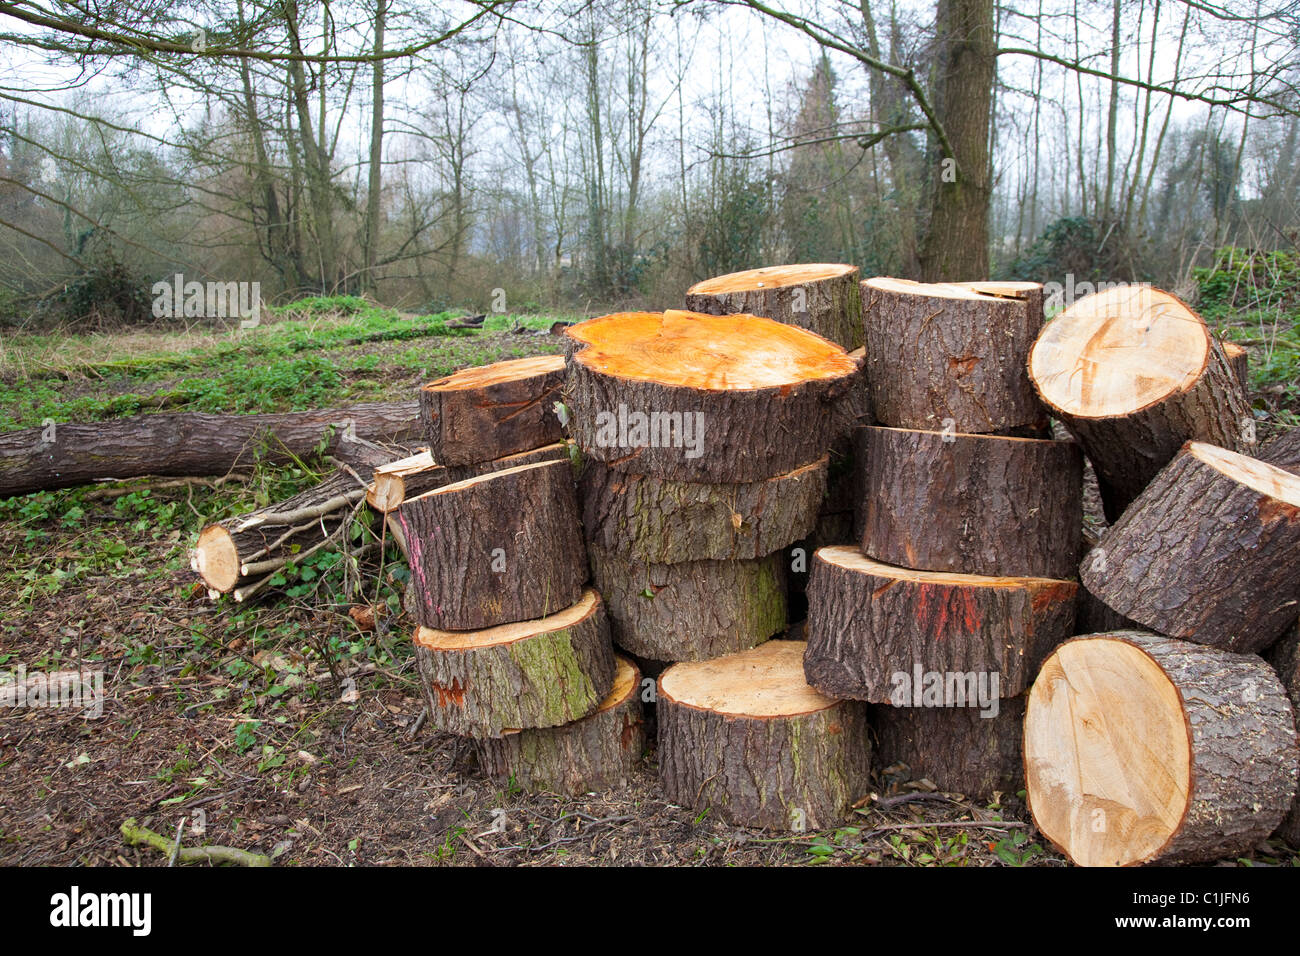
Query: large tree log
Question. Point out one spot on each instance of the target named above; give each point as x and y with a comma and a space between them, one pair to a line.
541, 673
692, 610
1140, 748
820, 297
947, 356
653, 520
487, 412
599, 752
1284, 658
875, 630
703, 398
1284, 451
237, 555
506, 546
976, 504
959, 749
1133, 373
191, 444
746, 737
1207, 553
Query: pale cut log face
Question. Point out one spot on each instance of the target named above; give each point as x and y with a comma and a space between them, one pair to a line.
767, 681
217, 559
626, 682
1119, 351
851, 557
1107, 753
490, 476
708, 352
1005, 290
508, 633
1254, 474
507, 371
770, 277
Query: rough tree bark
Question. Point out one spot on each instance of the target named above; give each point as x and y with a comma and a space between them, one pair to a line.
1284, 658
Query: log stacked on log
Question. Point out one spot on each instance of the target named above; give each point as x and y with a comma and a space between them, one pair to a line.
1142, 748
745, 736
705, 443
819, 297
1284, 658
1134, 373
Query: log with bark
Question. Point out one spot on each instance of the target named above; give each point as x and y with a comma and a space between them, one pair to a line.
490, 411
1284, 451
706, 398
942, 355
692, 610
1284, 658
820, 297
193, 444
976, 504
874, 628
1141, 748
652, 520
746, 737
506, 546
598, 752
1207, 553
972, 751
540, 673
1239, 361
408, 477
1133, 373
556, 451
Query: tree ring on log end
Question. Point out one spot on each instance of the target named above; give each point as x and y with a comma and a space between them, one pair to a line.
217, 558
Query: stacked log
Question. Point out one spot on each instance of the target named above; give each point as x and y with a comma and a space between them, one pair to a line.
820, 297
1142, 748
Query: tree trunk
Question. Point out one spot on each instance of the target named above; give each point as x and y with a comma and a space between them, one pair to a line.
951, 356
745, 737
958, 749
694, 610
878, 633
1283, 451
190, 444
1207, 553
540, 673
504, 547
1133, 373
1239, 361
690, 397
599, 752
976, 504
1284, 658
820, 298
487, 412
1141, 748
650, 520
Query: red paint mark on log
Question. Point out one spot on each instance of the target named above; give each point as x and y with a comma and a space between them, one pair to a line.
453, 695
1053, 593
942, 608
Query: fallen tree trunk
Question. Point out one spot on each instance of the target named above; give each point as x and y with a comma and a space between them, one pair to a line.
1141, 748
1133, 373
706, 398
821, 298
191, 444
876, 631
745, 736
942, 355
599, 752
1207, 553
540, 673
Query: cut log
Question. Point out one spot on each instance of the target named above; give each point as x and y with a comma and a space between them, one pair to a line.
652, 520
1284, 451
877, 632
237, 555
490, 411
1140, 748
705, 398
503, 547
1284, 658
693, 610
942, 355
408, 477
541, 673
819, 297
958, 749
1207, 553
556, 451
192, 444
745, 737
599, 752
975, 504
1134, 373
1239, 361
